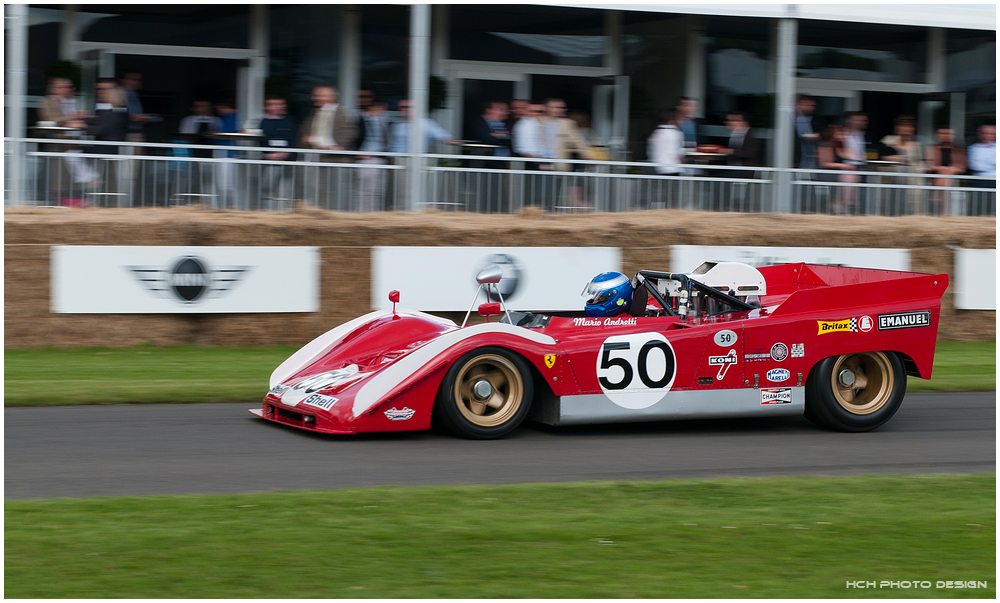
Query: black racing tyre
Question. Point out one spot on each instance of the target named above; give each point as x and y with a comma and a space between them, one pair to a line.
855, 392
485, 394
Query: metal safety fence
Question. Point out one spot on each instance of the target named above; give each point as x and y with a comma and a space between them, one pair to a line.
47, 172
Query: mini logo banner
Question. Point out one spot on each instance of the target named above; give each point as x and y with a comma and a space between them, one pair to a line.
320, 401
834, 326
550, 360
779, 352
904, 320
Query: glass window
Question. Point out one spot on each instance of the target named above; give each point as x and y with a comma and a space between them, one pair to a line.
528, 34
861, 51
739, 65
385, 51
305, 50
214, 25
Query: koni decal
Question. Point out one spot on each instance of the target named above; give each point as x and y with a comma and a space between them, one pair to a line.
723, 362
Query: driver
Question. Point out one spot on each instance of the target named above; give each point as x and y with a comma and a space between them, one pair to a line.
608, 294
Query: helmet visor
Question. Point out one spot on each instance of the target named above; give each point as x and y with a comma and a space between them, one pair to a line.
598, 292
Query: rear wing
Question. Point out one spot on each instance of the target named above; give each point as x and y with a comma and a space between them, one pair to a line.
817, 287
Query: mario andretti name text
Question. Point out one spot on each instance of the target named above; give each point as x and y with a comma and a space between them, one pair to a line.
917, 584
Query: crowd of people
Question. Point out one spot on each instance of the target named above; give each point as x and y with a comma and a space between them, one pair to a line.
543, 133
841, 145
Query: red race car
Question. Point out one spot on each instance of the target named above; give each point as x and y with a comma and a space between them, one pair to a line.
727, 340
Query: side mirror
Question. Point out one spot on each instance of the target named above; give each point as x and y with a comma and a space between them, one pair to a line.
490, 309
490, 275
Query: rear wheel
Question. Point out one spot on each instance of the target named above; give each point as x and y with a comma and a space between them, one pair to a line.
486, 394
855, 392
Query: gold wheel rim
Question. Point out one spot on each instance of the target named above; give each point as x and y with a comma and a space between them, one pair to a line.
505, 385
872, 384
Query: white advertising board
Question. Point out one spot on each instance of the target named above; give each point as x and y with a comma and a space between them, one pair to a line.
99, 279
443, 279
685, 258
975, 283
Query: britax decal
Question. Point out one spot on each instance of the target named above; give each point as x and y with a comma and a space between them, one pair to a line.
778, 375
904, 320
320, 401
399, 414
776, 395
862, 324
607, 322
723, 363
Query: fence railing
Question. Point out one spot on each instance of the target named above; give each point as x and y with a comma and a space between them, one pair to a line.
101, 174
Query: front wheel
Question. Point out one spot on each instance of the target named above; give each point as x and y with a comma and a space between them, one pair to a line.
485, 394
855, 392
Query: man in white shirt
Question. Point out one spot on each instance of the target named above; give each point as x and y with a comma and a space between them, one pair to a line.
665, 146
982, 161
527, 134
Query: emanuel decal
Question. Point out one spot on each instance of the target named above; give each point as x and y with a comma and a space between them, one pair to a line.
904, 320
798, 350
778, 375
723, 363
550, 360
320, 401
776, 395
779, 352
399, 414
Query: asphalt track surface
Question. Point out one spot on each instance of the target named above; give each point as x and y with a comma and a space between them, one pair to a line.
140, 450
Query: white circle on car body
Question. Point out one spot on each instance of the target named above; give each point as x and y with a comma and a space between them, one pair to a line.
725, 338
636, 371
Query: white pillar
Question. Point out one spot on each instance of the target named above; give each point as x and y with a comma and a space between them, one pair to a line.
16, 64
936, 58
349, 74
784, 111
68, 34
252, 95
420, 36
694, 69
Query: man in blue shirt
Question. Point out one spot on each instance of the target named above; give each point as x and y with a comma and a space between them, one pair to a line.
805, 137
401, 131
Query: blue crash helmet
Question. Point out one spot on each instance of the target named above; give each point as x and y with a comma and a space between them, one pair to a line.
608, 294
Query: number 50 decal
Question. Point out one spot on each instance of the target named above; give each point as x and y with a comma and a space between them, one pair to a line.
636, 371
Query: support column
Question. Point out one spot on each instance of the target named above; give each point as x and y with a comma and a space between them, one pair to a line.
68, 34
614, 60
420, 37
16, 26
936, 57
440, 48
784, 112
252, 95
694, 69
350, 55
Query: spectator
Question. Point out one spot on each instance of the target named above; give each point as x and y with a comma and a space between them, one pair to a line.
400, 130
831, 155
59, 108
947, 160
526, 135
365, 100
196, 127
371, 182
328, 126
904, 149
131, 82
854, 139
665, 146
983, 156
560, 136
110, 119
983, 162
491, 129
519, 109
688, 122
805, 137
279, 131
744, 149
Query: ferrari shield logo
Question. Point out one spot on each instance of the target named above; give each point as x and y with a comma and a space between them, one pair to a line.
550, 360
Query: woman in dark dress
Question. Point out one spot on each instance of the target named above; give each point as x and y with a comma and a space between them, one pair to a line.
945, 159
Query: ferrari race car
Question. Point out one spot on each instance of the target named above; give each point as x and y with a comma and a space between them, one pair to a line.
727, 340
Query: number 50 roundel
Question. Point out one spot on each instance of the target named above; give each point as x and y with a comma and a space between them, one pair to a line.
636, 371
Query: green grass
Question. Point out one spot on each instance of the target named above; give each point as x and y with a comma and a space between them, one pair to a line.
960, 366
772, 537
196, 374
139, 374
